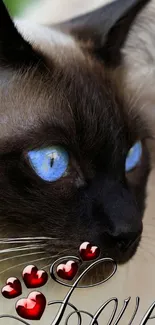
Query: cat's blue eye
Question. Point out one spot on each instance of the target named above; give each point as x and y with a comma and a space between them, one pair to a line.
50, 163
133, 157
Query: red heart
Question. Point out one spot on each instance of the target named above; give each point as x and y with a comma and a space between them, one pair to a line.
89, 252
33, 277
67, 271
12, 289
31, 307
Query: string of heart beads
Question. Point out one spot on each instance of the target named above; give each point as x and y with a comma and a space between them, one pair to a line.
34, 305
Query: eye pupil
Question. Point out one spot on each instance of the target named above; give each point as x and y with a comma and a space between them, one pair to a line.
51, 162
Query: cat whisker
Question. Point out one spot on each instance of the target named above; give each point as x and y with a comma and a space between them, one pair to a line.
148, 237
26, 247
138, 254
25, 239
46, 266
17, 265
144, 249
36, 260
24, 255
20, 242
21, 248
149, 225
149, 245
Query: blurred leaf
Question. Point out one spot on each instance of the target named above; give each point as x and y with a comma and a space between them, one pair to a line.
16, 6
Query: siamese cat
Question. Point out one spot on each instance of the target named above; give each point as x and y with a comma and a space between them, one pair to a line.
74, 161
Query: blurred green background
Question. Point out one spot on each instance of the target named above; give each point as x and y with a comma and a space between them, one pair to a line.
17, 6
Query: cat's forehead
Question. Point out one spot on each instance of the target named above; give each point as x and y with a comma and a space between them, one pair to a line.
27, 101
71, 92
70, 100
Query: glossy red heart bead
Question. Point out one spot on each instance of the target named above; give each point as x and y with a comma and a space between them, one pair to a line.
89, 252
31, 307
12, 289
33, 277
68, 270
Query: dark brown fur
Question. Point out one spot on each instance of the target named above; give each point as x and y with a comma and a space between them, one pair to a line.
80, 106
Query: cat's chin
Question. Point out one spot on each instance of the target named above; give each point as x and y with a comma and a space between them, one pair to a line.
104, 270
123, 256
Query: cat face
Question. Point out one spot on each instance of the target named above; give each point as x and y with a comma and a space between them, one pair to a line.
66, 130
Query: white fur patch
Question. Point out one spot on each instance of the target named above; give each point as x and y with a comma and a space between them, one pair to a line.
54, 11
45, 39
139, 62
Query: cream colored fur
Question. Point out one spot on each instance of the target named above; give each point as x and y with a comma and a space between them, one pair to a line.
139, 63
58, 10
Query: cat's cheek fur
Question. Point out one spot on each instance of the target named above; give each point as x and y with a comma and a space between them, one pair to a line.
139, 64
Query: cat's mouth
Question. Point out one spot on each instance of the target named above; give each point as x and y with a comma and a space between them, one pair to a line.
129, 252
103, 270
120, 252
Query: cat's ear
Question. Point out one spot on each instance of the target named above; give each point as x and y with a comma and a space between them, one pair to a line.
105, 30
13, 48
